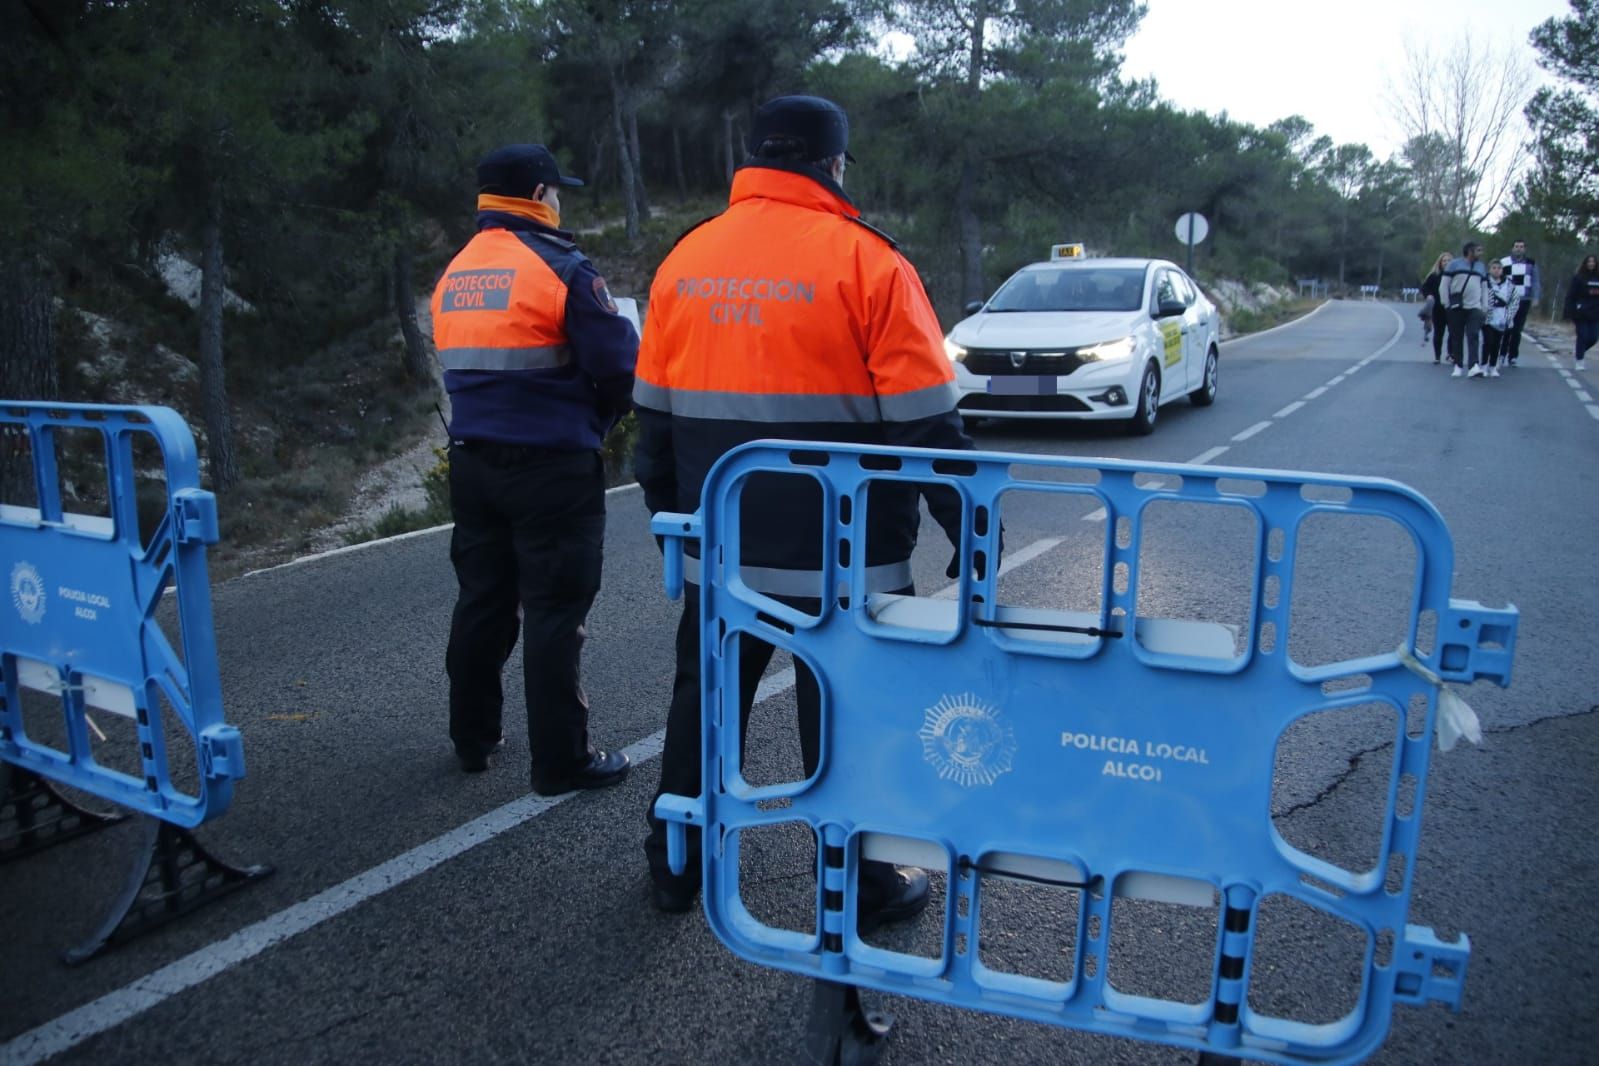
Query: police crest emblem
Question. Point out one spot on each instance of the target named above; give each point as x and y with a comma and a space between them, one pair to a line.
967, 740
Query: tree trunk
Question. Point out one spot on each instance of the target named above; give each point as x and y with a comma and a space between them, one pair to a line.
624, 160
403, 292
638, 161
27, 367
224, 466
971, 235
677, 163
596, 157
27, 332
967, 223
727, 128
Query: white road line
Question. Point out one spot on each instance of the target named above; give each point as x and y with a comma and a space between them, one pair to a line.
1593, 409
1315, 392
1290, 409
1565, 373
133, 999
1252, 430
1206, 456
1573, 382
1096, 515
1286, 325
1583, 396
348, 548
1335, 381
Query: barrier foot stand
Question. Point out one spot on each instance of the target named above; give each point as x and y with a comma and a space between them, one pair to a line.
171, 876
33, 815
840, 1031
1210, 1058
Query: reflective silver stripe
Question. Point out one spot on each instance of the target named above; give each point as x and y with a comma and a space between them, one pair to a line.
655, 397
922, 403
757, 406
774, 581
542, 358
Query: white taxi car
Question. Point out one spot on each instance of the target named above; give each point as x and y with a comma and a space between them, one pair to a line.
1077, 337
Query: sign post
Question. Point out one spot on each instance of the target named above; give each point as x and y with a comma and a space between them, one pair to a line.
1191, 229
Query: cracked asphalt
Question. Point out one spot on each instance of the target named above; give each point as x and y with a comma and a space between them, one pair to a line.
538, 943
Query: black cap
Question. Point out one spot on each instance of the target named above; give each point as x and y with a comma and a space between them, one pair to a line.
517, 169
820, 123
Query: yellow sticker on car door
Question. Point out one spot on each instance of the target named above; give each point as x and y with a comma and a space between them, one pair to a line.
1172, 332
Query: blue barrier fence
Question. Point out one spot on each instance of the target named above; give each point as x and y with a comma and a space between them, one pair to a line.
1113, 757
84, 645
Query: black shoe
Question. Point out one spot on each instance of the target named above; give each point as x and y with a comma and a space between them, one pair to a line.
475, 762
602, 769
674, 895
906, 899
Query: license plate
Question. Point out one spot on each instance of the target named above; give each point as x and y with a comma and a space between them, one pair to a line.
1021, 385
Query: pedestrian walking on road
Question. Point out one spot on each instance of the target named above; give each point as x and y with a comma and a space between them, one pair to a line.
1432, 308
1464, 292
538, 364
1582, 308
1504, 296
1522, 271
787, 316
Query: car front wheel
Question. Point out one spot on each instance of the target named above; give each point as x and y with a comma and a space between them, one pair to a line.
1143, 421
1205, 395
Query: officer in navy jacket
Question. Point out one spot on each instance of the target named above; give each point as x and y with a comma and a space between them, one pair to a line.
538, 364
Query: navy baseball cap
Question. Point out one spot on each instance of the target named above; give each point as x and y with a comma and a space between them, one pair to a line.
517, 169
820, 123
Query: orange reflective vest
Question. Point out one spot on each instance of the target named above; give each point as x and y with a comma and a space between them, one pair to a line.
786, 316
533, 349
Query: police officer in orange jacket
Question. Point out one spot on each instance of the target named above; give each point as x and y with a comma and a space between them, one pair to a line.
539, 366
787, 316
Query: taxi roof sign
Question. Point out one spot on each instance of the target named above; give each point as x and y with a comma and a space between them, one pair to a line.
1065, 251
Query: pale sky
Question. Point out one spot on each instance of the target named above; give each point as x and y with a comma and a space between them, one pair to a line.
1262, 60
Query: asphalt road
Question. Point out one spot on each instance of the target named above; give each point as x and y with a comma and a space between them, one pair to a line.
421, 915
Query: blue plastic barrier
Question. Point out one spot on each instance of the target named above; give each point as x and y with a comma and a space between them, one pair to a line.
1109, 755
80, 624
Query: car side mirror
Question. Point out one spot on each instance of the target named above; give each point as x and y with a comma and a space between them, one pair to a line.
974, 307
1170, 308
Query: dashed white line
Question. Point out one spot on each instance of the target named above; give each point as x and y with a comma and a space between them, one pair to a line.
1335, 381
1290, 409
1593, 409
1315, 392
1574, 383
1206, 456
1252, 430
1583, 396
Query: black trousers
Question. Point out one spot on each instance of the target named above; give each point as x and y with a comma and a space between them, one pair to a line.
1440, 326
1512, 347
529, 535
1492, 344
680, 758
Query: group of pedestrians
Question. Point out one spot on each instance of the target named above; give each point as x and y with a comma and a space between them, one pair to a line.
1476, 310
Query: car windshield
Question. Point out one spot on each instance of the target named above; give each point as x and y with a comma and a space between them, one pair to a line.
1077, 289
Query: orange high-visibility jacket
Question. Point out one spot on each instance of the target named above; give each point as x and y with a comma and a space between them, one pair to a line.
533, 349
786, 316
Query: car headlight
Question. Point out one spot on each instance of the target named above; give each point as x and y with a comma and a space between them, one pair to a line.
1108, 352
956, 353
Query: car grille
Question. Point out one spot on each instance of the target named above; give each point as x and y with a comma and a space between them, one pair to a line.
993, 361
977, 401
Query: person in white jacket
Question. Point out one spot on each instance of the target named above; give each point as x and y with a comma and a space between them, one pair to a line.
1464, 293
1504, 298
